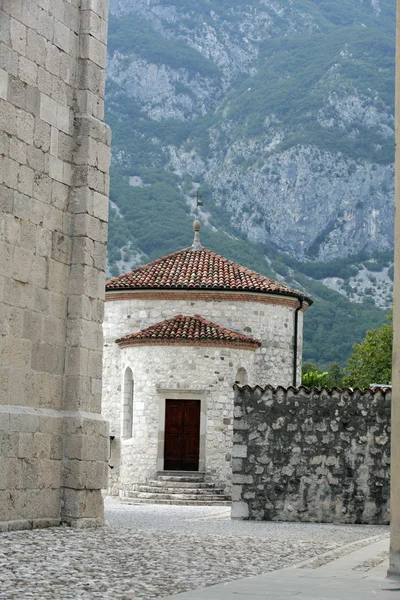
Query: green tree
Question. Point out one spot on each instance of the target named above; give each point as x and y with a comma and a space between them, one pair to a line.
371, 361
334, 377
306, 367
312, 376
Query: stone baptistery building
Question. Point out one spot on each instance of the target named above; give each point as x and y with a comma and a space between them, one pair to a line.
179, 332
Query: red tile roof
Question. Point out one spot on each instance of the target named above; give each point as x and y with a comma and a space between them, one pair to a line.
198, 269
188, 330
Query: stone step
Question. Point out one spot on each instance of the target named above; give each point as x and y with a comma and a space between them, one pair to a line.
177, 502
181, 484
164, 489
187, 497
195, 474
181, 478
179, 487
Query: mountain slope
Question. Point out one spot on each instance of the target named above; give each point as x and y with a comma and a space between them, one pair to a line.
280, 114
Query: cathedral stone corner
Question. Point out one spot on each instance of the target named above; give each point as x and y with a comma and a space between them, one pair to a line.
54, 182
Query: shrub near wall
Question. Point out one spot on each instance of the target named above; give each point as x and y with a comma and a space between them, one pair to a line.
311, 455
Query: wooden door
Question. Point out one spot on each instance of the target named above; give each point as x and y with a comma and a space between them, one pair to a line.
182, 435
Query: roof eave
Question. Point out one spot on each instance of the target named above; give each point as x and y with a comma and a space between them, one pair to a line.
298, 296
238, 344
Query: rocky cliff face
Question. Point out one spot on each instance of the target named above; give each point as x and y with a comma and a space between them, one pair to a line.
306, 201
308, 169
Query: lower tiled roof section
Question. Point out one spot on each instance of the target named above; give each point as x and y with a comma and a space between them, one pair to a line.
188, 330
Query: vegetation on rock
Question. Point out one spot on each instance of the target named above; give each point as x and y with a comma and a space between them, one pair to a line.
244, 100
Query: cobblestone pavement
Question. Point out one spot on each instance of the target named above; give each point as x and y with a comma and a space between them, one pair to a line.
153, 551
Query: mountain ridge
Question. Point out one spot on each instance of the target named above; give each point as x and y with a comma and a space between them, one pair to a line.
279, 114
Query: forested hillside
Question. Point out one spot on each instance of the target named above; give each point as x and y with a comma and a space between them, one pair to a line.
280, 115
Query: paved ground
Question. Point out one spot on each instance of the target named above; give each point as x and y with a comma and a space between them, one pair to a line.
154, 551
358, 575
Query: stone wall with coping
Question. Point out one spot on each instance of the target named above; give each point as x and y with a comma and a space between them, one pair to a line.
311, 455
54, 160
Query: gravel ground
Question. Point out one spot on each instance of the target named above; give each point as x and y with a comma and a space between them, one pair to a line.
153, 551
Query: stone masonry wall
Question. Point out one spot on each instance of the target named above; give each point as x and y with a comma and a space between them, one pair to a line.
184, 371
54, 159
270, 323
311, 455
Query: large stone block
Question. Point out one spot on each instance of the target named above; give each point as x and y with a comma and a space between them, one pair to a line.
10, 170
36, 47
5, 29
22, 264
48, 358
29, 14
100, 206
88, 126
91, 77
27, 71
15, 353
6, 199
8, 117
24, 420
8, 60
83, 508
61, 36
4, 416
26, 447
3, 84
239, 510
25, 123
6, 262
80, 423
9, 444
93, 49
60, 196
36, 159
42, 445
79, 474
92, 24
86, 448
18, 36
22, 95
58, 305
73, 17
97, 6
44, 81
57, 9
76, 361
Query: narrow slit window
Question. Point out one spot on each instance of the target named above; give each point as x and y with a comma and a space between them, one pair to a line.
241, 377
127, 407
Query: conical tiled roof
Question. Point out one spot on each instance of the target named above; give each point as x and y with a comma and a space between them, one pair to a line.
188, 330
198, 269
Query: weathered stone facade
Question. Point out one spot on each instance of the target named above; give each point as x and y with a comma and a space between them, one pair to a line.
268, 319
54, 160
201, 373
311, 455
188, 372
